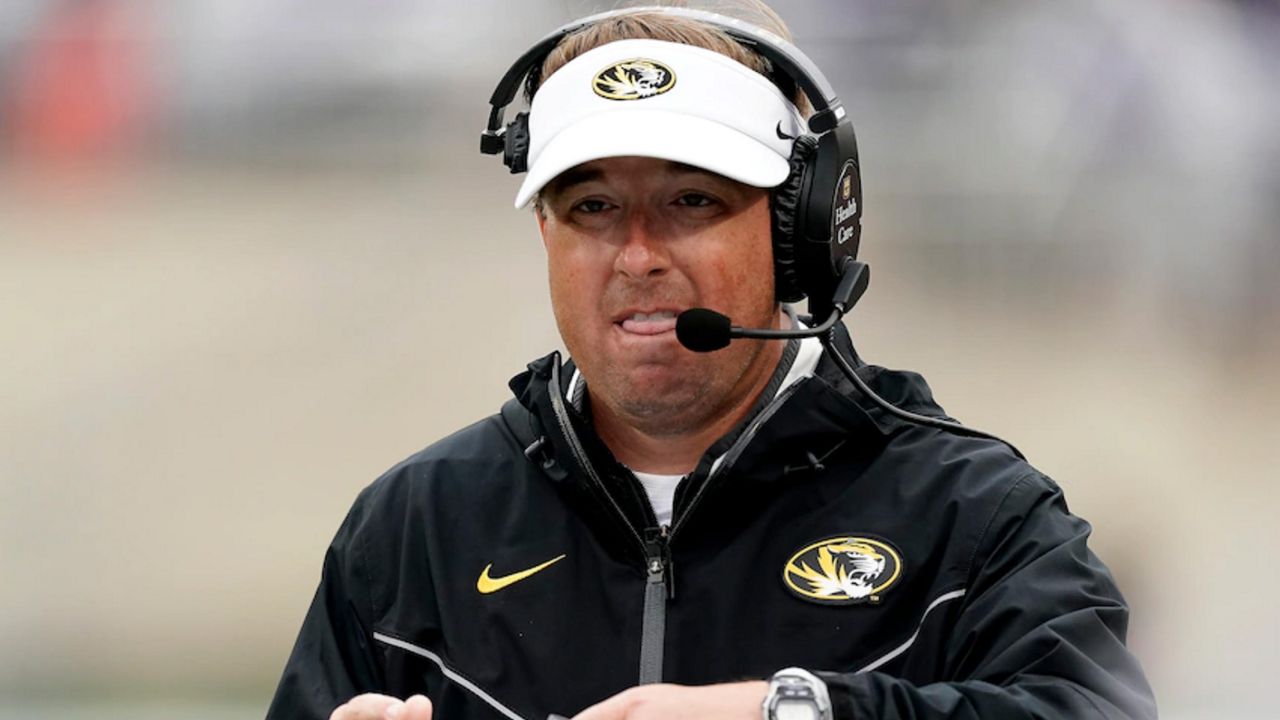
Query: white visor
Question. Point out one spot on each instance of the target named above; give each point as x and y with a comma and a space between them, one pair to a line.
663, 100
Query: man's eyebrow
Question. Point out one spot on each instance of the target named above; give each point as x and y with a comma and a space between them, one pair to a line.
679, 167
588, 173
571, 177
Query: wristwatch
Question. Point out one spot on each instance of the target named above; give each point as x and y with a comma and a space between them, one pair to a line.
796, 694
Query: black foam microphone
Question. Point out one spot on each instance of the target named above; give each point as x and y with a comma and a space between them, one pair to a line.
705, 330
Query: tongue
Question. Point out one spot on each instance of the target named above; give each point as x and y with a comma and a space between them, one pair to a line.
649, 327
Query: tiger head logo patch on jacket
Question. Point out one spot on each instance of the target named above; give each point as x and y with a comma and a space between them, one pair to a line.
844, 570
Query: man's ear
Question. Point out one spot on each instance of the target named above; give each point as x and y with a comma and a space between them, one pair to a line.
540, 213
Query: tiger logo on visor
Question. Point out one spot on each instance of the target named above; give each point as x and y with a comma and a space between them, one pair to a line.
634, 79
843, 571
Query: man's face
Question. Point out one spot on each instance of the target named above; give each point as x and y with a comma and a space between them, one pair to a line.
632, 242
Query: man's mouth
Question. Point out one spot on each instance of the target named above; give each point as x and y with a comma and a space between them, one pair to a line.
653, 323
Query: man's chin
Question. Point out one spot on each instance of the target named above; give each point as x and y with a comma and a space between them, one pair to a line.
659, 420
660, 380
661, 397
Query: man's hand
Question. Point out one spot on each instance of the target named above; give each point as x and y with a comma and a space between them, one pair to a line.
372, 706
730, 701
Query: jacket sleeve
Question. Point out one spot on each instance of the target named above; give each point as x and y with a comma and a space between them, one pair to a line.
333, 658
1040, 633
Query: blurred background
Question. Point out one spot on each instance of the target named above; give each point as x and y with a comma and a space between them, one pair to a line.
250, 257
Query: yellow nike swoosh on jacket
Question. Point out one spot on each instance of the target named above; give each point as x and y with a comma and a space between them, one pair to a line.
486, 584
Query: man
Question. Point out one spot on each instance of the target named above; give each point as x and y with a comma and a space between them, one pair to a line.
649, 532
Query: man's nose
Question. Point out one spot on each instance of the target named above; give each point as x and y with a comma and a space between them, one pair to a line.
644, 252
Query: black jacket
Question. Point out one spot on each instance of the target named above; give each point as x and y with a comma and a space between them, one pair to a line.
956, 583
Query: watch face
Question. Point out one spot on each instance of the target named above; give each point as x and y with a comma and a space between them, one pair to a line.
795, 710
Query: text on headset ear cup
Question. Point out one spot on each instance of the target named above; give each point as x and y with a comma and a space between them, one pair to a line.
784, 203
828, 217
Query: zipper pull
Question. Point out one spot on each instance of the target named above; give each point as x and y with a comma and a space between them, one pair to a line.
658, 565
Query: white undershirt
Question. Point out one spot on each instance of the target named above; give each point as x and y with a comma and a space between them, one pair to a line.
661, 489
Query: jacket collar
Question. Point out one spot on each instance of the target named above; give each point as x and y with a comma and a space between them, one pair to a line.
796, 429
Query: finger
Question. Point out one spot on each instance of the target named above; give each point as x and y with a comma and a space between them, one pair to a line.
417, 707
614, 708
370, 706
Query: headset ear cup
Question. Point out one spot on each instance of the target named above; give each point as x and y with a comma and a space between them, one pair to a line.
785, 203
515, 149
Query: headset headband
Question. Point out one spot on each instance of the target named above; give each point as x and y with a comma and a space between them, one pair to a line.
828, 110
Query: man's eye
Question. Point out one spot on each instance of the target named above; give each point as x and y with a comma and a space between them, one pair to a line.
695, 200
591, 206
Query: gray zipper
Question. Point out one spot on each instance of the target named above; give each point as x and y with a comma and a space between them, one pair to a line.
659, 573
660, 585
657, 590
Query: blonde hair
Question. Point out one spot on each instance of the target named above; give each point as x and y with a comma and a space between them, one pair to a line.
672, 28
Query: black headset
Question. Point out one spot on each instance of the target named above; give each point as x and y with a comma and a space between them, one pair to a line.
817, 210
